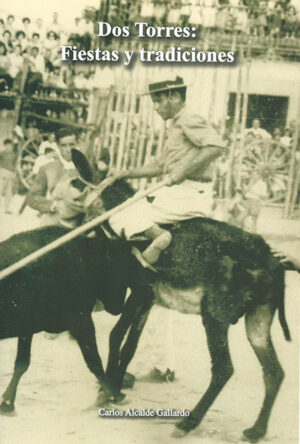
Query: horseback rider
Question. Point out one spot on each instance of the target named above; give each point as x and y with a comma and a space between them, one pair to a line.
187, 158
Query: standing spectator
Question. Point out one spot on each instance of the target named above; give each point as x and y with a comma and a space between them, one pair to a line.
249, 138
21, 40
147, 10
196, 15
222, 18
49, 142
85, 31
270, 14
5, 78
286, 139
262, 18
48, 155
27, 52
174, 12
10, 25
48, 59
31, 129
233, 10
74, 30
8, 159
52, 60
277, 135
80, 80
244, 210
55, 78
55, 26
52, 42
241, 20
35, 41
26, 26
209, 14
257, 130
252, 23
278, 18
6, 40
37, 70
291, 22
159, 11
1, 27
185, 12
46, 191
15, 63
38, 27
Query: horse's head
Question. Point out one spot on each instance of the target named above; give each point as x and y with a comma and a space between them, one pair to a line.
101, 193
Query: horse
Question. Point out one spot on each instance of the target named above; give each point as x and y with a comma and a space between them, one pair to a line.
210, 268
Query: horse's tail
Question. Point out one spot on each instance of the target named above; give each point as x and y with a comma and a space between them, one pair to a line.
281, 312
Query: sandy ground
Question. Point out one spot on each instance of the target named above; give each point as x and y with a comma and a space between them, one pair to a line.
55, 399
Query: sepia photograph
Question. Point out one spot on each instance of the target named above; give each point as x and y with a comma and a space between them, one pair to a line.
149, 221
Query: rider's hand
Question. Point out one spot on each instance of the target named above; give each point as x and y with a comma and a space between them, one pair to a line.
116, 174
175, 178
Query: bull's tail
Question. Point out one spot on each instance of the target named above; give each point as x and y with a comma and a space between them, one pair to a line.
281, 313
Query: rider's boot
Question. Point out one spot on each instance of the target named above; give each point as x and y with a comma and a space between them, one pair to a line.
161, 239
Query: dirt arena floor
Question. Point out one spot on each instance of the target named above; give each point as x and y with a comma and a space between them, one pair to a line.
55, 400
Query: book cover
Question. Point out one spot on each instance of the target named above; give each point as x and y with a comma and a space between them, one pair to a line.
188, 297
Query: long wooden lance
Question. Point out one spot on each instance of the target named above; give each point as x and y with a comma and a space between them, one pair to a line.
80, 230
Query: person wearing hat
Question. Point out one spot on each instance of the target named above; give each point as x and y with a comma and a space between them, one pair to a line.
187, 160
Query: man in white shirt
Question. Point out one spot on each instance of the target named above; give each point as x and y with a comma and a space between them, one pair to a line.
37, 69
286, 139
55, 26
39, 28
85, 31
15, 61
258, 131
49, 187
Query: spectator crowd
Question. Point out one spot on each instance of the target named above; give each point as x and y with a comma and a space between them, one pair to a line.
259, 18
38, 43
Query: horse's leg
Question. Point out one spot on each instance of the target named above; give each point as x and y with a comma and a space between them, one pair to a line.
83, 330
222, 370
258, 325
117, 336
21, 365
119, 359
130, 346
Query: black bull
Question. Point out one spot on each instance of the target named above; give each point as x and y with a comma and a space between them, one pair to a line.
236, 271
58, 293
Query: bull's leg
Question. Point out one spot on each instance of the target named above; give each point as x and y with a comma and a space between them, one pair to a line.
222, 370
258, 324
83, 330
21, 365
